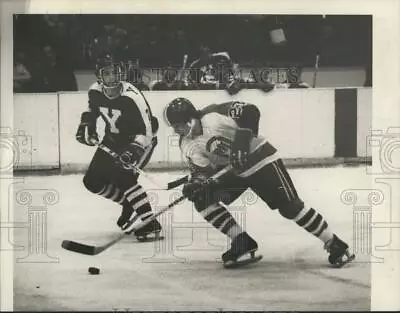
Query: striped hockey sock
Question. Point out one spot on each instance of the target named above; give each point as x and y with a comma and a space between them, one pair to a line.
314, 223
137, 199
218, 216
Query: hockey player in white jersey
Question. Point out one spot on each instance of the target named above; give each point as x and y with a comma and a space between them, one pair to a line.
210, 141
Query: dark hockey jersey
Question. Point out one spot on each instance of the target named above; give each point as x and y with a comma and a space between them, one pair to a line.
127, 118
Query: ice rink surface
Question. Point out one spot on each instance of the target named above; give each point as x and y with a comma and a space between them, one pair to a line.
184, 271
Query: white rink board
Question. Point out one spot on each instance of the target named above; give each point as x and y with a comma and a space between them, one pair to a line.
299, 122
288, 120
364, 120
71, 106
36, 119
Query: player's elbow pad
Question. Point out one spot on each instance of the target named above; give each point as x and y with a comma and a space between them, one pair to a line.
252, 112
142, 140
250, 118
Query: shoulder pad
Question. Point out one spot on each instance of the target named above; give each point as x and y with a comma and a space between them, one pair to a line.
95, 86
212, 118
208, 109
217, 120
128, 87
221, 108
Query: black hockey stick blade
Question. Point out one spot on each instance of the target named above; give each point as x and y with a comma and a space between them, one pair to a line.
88, 249
78, 247
239, 264
94, 250
178, 182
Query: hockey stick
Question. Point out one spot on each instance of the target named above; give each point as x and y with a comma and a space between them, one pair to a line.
94, 250
136, 169
170, 185
315, 70
180, 78
177, 182
185, 58
317, 57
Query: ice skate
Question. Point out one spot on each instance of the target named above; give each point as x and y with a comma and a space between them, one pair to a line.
127, 218
241, 245
149, 232
339, 253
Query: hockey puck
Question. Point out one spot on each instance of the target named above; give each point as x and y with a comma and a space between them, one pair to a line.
94, 271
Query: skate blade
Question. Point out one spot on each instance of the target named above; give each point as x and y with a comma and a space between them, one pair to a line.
237, 264
149, 239
349, 258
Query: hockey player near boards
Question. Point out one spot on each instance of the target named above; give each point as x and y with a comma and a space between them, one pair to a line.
130, 132
227, 133
211, 70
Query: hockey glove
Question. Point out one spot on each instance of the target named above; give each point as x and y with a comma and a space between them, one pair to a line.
86, 133
197, 188
240, 148
194, 190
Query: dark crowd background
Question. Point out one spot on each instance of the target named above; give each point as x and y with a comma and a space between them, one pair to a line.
48, 49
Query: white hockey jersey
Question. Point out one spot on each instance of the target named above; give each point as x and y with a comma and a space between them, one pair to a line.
212, 148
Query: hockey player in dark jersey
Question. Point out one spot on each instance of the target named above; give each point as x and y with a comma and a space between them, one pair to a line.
211, 70
225, 134
245, 115
130, 133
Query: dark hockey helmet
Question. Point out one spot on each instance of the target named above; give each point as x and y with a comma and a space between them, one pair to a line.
179, 111
110, 74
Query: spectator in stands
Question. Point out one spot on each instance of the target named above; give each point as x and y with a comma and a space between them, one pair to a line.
153, 46
211, 70
113, 40
168, 80
53, 74
172, 79
257, 80
120, 44
135, 76
293, 79
22, 76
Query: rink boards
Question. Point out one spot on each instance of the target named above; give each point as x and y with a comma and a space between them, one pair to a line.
306, 124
